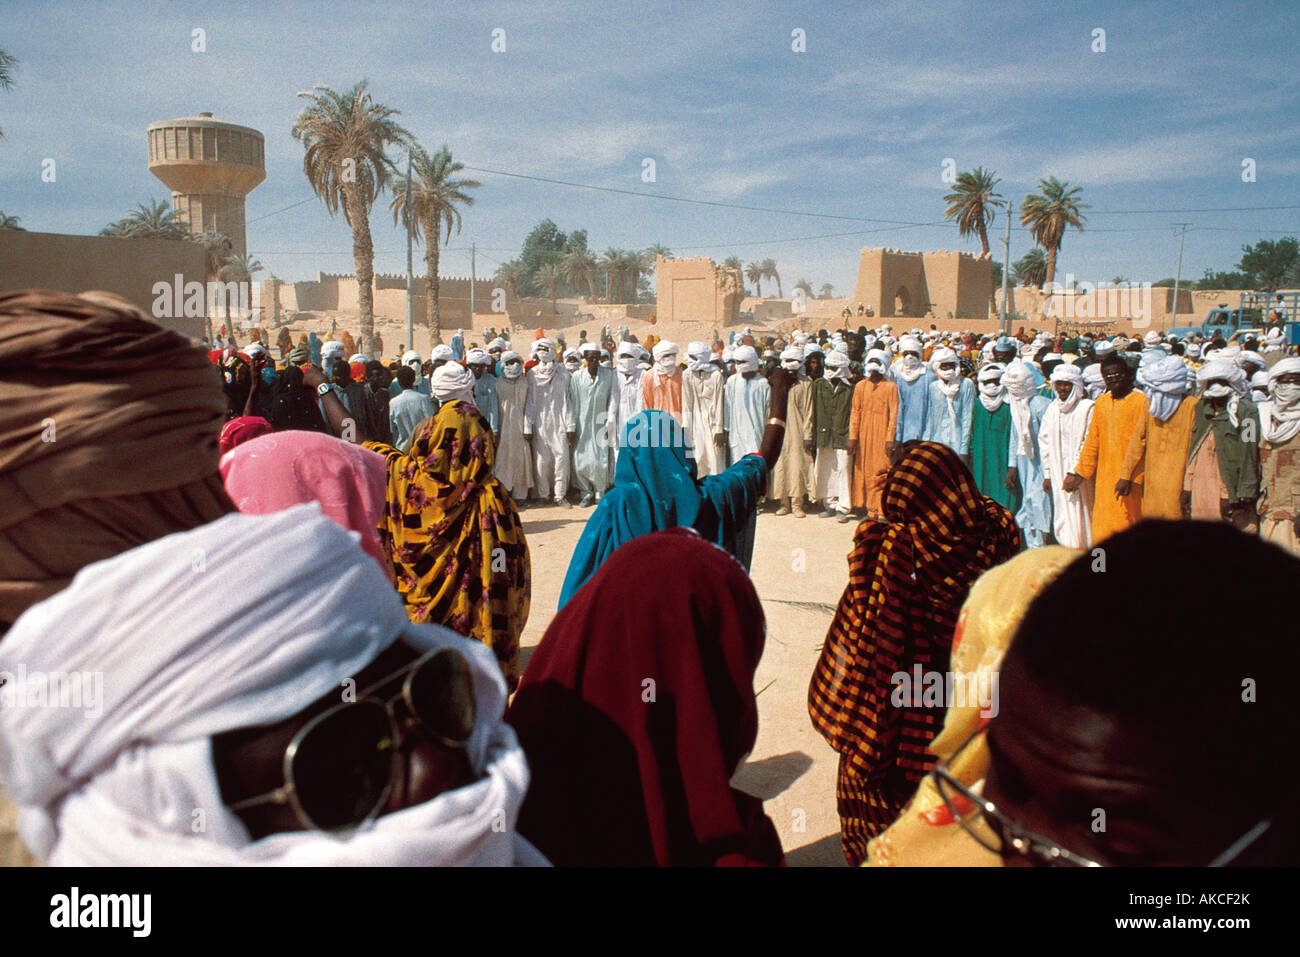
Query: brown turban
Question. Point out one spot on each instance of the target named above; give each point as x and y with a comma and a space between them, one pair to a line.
108, 438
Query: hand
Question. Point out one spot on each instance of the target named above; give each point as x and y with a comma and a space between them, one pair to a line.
1185, 504
810, 448
720, 440
1012, 480
1047, 485
573, 439
853, 447
312, 377
1123, 487
1071, 483
1225, 510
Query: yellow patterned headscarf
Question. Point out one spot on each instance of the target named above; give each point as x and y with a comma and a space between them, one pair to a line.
453, 535
925, 834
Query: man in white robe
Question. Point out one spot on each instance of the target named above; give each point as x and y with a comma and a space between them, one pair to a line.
548, 422
747, 400
514, 459
594, 398
702, 411
1061, 438
627, 381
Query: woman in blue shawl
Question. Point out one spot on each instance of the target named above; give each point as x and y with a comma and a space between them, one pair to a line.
656, 488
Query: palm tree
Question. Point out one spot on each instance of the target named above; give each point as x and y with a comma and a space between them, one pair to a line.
579, 268
511, 276
637, 262
806, 286
345, 137
1048, 212
769, 272
7, 64
827, 290
549, 276
658, 249
216, 250
10, 222
238, 269
153, 220
733, 262
1030, 269
972, 202
754, 273
613, 262
434, 195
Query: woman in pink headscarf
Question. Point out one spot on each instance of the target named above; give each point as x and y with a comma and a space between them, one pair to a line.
274, 472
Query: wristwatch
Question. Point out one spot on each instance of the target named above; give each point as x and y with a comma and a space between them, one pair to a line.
324, 389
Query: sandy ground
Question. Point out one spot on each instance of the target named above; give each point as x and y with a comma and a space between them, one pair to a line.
799, 571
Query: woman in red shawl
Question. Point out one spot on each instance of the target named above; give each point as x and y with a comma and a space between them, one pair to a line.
908, 578
635, 716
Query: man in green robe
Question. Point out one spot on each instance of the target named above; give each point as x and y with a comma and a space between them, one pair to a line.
990, 441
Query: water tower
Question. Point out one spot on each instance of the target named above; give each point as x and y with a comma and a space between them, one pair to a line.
210, 166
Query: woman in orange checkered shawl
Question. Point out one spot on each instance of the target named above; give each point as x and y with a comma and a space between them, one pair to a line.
453, 535
908, 578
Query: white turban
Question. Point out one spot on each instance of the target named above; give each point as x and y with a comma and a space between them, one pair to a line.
1246, 359
909, 344
729, 354
242, 622
589, 347
452, 382
792, 359
1166, 383
1073, 375
255, 349
1280, 413
1152, 339
477, 357
498, 343
1192, 350
1093, 380
358, 357
837, 365
1103, 348
543, 343
571, 354
1231, 372
441, 353
879, 359
331, 350
665, 348
701, 357
746, 358
812, 349
409, 357
628, 349
941, 355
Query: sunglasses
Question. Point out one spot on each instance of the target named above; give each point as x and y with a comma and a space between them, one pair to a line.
997, 832
339, 768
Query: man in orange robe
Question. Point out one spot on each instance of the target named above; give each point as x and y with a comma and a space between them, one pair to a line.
1158, 449
661, 387
872, 424
1117, 415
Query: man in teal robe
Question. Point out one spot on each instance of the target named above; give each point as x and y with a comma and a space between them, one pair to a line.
594, 400
990, 441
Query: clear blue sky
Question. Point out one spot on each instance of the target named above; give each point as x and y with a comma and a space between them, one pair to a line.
857, 126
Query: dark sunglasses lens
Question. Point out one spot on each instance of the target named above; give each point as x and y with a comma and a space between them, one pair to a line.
342, 767
441, 695
969, 814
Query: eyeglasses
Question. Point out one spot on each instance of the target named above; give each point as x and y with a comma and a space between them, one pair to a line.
998, 833
339, 768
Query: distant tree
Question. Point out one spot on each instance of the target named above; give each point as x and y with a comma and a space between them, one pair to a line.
7, 64
1118, 281
549, 277
972, 203
769, 272
237, 269
543, 246
733, 262
754, 273
827, 290
345, 138
152, 220
1224, 280
612, 264
10, 222
435, 195
511, 276
634, 264
579, 268
1048, 212
1268, 263
806, 286
1030, 269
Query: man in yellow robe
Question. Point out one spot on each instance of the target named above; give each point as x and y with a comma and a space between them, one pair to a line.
872, 424
1117, 414
1158, 449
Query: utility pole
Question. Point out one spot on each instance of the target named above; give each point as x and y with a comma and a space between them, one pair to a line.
1178, 274
1004, 319
473, 281
410, 291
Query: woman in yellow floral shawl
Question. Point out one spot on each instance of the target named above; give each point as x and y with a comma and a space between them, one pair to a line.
453, 535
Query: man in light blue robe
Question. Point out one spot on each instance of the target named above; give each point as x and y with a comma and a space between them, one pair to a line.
951, 404
458, 345
594, 398
1035, 513
913, 379
746, 400
485, 390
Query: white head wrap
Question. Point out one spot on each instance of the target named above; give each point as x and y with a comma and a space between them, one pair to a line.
411, 357
1093, 380
1073, 375
991, 396
701, 357
665, 354
452, 382
1250, 361
588, 347
812, 349
877, 359
1103, 348
498, 343
442, 354
1152, 339
1166, 383
792, 359
508, 370
837, 365
746, 359
255, 349
1223, 368
358, 357
242, 622
478, 357
330, 351
1280, 415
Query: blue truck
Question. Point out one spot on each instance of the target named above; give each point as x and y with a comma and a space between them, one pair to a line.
1254, 314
